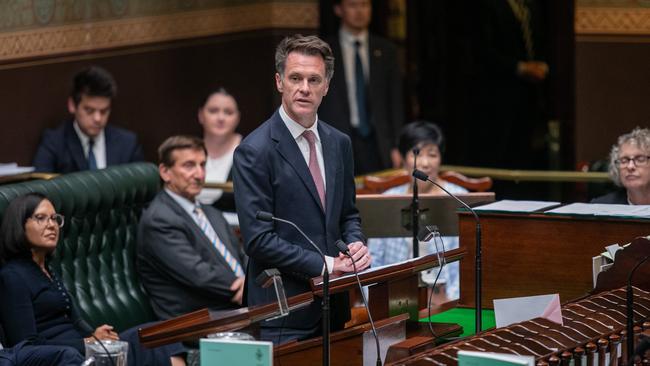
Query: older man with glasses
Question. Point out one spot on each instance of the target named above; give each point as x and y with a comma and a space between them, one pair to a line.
629, 168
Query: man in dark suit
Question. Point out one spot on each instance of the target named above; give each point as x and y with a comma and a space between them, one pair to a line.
86, 141
365, 99
298, 168
188, 257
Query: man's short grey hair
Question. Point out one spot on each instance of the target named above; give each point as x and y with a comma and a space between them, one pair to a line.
639, 137
306, 45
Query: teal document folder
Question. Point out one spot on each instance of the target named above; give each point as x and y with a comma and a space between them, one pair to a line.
219, 352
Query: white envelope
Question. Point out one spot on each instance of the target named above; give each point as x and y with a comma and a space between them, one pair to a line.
519, 309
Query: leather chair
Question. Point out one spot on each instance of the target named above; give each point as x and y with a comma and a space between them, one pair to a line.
378, 183
95, 256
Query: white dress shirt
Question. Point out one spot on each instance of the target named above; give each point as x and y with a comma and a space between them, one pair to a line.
99, 146
296, 131
346, 40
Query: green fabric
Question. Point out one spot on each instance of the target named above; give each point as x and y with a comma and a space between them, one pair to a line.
465, 318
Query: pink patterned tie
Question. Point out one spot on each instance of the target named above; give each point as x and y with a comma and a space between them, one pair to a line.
314, 168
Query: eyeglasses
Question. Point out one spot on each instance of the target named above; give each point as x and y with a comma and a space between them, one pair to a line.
44, 219
639, 160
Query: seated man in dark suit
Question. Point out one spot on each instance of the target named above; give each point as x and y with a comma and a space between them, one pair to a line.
188, 257
86, 142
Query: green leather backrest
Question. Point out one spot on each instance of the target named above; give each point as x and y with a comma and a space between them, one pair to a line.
95, 255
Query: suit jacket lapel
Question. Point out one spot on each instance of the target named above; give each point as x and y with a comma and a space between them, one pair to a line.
288, 149
329, 157
109, 147
74, 145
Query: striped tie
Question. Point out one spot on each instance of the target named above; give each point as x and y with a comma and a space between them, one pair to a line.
522, 12
207, 229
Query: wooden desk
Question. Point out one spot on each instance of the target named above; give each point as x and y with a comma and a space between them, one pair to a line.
533, 254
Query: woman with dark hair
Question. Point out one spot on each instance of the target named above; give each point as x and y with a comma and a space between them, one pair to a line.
427, 138
35, 306
219, 117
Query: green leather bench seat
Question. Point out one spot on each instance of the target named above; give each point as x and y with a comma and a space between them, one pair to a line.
95, 256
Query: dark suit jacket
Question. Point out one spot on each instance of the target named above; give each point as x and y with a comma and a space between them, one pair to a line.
179, 268
60, 150
270, 174
618, 197
385, 95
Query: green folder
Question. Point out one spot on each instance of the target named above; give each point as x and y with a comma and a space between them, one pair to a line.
221, 352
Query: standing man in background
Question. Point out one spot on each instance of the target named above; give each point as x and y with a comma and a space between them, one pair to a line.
365, 99
298, 168
86, 142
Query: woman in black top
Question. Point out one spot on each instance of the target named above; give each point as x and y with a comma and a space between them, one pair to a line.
35, 306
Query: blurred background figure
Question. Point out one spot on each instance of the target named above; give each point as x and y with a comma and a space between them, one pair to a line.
428, 138
629, 169
219, 116
365, 99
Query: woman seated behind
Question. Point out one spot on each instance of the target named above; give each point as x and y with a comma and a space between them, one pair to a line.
629, 168
35, 305
219, 116
428, 138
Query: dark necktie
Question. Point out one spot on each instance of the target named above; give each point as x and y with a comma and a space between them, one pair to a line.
92, 163
360, 88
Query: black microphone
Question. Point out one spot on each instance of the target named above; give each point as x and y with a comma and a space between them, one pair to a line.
415, 209
344, 249
630, 313
267, 216
421, 176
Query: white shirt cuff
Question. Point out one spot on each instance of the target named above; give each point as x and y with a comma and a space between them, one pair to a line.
330, 264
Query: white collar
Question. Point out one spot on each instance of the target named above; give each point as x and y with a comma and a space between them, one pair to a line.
85, 138
295, 128
185, 204
348, 38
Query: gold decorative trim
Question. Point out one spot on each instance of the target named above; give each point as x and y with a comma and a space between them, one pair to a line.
51, 41
612, 21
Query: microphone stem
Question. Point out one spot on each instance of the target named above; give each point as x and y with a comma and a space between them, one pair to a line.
477, 265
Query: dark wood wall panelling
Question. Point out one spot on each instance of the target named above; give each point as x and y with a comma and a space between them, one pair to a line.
159, 88
613, 87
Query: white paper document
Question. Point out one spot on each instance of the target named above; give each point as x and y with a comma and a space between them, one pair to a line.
601, 209
516, 206
519, 309
13, 168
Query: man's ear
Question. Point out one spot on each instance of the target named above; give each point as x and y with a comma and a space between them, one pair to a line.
72, 107
278, 82
164, 172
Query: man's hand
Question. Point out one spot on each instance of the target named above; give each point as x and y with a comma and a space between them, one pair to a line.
360, 255
238, 288
105, 332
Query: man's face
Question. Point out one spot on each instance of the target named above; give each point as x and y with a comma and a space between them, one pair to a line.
355, 14
303, 87
187, 175
91, 113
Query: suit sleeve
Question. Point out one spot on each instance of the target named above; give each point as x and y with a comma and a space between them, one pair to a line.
252, 175
350, 220
46, 154
137, 154
18, 316
169, 251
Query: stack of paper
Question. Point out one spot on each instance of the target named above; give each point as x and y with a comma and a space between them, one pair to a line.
600, 209
516, 206
13, 168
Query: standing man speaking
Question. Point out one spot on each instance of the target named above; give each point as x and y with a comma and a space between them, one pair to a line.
299, 169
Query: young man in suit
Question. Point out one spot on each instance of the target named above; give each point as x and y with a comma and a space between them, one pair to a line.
188, 257
298, 168
365, 99
86, 141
